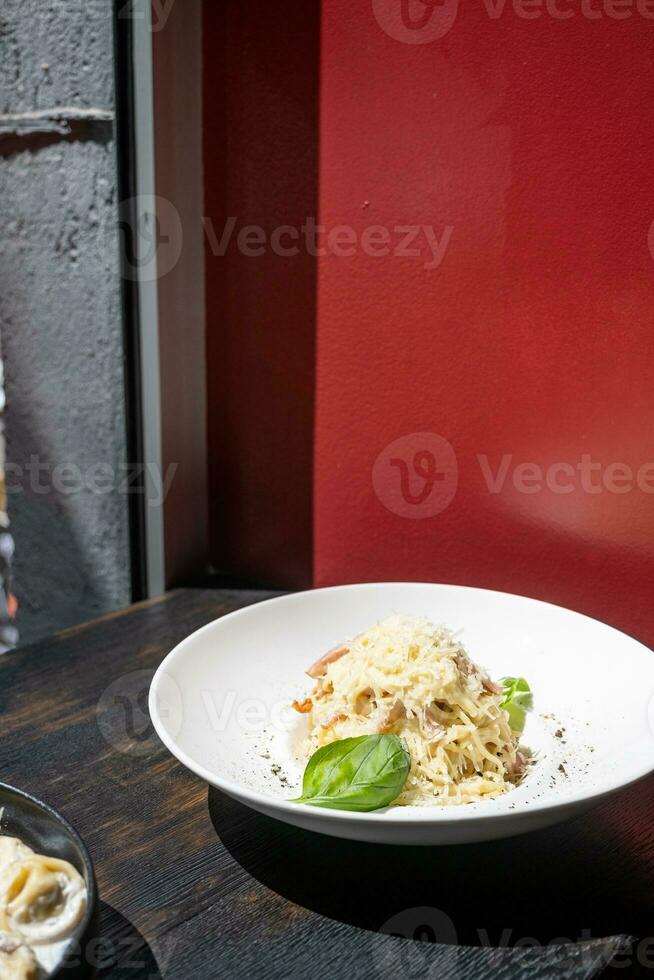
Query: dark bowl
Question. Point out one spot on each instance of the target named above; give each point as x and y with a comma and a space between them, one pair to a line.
46, 832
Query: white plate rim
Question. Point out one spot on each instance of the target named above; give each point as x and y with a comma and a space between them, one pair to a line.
455, 815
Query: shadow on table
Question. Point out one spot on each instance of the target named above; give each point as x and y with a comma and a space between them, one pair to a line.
573, 882
121, 952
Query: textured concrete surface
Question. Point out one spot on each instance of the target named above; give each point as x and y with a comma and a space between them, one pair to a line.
55, 52
60, 320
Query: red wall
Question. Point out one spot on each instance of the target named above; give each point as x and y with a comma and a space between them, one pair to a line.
260, 155
533, 139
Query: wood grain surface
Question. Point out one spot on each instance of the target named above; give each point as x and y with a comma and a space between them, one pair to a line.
194, 885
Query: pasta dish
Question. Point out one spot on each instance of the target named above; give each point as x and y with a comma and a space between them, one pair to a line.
406, 677
42, 900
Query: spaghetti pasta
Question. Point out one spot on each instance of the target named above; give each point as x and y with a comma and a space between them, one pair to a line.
410, 678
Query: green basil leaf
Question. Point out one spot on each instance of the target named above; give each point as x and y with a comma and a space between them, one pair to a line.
518, 700
363, 773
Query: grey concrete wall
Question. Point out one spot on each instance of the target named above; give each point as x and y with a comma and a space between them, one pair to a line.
60, 322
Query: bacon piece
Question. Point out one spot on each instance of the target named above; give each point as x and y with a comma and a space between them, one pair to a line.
322, 690
519, 766
393, 714
363, 704
303, 707
430, 725
320, 667
465, 665
337, 716
491, 686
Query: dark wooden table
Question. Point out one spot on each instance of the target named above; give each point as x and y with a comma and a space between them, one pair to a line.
194, 885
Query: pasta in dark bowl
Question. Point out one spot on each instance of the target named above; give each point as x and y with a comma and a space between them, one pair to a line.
48, 896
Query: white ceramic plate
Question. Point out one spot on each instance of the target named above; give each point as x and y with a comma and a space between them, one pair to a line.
220, 703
